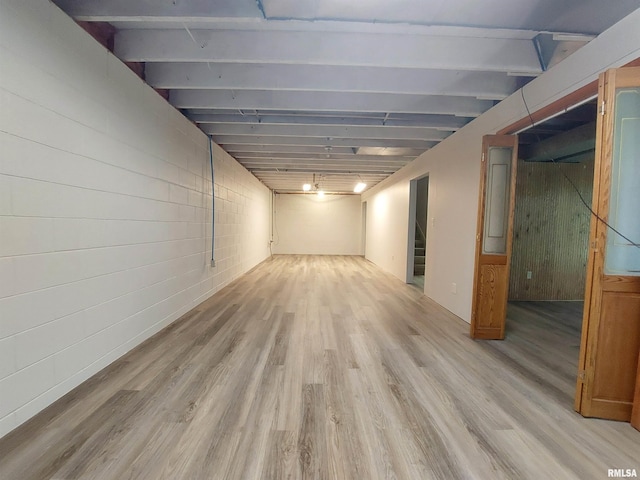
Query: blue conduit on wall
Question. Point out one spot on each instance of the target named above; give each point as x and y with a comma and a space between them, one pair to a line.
213, 206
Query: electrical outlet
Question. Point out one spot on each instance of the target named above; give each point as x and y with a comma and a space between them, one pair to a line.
529, 275
454, 288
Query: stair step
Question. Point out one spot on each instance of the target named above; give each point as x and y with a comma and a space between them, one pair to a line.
419, 243
418, 251
418, 269
419, 260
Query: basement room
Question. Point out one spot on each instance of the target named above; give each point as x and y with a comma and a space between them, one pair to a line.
318, 239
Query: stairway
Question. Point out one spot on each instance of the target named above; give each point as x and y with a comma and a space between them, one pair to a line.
419, 258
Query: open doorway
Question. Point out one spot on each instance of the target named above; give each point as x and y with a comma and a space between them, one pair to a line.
610, 328
417, 245
549, 256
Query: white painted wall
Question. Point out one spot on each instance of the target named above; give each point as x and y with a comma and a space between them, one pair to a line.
454, 169
387, 224
312, 225
105, 210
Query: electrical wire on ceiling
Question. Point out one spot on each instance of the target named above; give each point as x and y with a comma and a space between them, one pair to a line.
564, 174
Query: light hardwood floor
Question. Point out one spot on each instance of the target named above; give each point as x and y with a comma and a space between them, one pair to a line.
325, 367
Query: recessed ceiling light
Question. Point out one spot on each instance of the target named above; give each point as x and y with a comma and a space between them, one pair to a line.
306, 187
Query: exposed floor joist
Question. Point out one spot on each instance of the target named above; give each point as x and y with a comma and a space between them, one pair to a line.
321, 77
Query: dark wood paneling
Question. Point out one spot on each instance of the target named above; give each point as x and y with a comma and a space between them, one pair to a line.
551, 231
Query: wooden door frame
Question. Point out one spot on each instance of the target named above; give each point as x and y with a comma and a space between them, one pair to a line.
569, 101
560, 106
591, 259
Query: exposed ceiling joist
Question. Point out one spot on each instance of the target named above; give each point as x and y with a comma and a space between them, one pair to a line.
324, 167
352, 159
439, 122
338, 101
329, 48
235, 149
321, 141
230, 76
129, 11
328, 131
340, 88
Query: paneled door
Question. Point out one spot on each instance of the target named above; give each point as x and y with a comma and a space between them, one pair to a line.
635, 412
610, 343
493, 236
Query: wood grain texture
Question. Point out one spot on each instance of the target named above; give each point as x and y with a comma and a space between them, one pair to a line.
635, 413
614, 375
611, 326
491, 271
328, 368
551, 231
492, 288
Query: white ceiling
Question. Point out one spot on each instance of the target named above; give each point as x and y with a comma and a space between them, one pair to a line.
345, 90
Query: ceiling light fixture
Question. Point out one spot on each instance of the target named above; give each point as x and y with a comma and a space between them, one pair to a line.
359, 188
320, 193
306, 187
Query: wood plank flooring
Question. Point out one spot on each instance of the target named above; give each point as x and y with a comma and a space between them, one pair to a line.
327, 368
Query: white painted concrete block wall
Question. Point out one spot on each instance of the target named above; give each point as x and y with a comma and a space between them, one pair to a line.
312, 225
105, 210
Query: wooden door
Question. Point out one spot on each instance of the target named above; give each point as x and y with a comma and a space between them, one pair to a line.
493, 237
635, 412
611, 322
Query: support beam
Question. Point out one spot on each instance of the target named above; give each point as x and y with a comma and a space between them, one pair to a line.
323, 101
329, 48
232, 76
